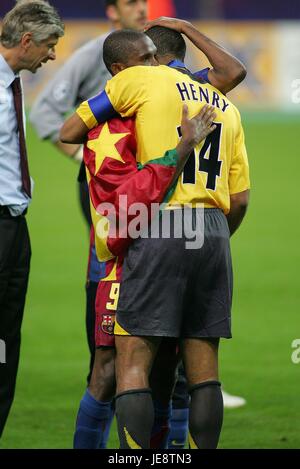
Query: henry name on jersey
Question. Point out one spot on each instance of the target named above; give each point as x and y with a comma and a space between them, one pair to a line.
191, 92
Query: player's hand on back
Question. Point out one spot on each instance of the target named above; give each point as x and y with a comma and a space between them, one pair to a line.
193, 132
199, 127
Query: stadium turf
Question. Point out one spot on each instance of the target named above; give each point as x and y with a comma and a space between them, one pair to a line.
256, 364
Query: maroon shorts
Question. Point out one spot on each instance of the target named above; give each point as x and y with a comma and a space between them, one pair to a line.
106, 304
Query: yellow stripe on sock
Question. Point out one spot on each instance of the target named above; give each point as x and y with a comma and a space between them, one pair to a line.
130, 441
192, 443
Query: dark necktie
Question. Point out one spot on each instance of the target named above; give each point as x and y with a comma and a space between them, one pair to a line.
17, 93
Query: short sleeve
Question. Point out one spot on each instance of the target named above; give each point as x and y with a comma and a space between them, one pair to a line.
239, 179
96, 110
203, 74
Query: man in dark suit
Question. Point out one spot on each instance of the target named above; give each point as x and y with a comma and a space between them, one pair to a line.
30, 32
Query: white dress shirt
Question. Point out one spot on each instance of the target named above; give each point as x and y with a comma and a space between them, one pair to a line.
11, 194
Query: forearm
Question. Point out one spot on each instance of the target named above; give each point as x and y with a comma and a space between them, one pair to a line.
238, 208
235, 218
227, 71
88, 115
74, 130
70, 150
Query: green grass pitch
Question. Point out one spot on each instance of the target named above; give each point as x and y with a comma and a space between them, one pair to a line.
255, 364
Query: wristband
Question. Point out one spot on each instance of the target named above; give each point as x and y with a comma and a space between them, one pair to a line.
78, 155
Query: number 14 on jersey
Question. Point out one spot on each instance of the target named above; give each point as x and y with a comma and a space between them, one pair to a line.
208, 160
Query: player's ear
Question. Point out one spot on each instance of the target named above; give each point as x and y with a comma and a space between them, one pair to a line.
117, 67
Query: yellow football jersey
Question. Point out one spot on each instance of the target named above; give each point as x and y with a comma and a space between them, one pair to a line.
218, 166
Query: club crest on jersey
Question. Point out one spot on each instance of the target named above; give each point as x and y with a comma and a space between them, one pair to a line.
108, 324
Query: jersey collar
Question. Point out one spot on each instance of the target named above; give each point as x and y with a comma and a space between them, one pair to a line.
176, 64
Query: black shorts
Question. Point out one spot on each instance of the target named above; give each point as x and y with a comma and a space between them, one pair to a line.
168, 290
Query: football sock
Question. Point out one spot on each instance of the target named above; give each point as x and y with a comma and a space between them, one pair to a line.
206, 415
179, 424
105, 436
135, 417
161, 427
92, 418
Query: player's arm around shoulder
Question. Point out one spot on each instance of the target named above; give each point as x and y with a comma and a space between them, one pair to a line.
87, 116
226, 72
74, 130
